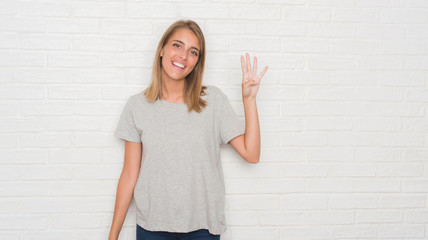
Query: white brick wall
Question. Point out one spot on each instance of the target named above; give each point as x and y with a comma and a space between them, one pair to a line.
343, 111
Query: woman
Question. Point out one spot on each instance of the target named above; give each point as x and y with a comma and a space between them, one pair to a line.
172, 132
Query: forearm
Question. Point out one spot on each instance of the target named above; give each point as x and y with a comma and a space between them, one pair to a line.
125, 190
252, 130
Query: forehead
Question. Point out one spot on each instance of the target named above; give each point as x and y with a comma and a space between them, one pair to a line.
187, 36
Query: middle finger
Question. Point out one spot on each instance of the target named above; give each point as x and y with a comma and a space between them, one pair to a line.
248, 62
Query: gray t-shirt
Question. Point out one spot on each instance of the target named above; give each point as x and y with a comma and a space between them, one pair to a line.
180, 187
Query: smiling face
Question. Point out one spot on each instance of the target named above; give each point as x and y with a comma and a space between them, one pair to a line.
180, 54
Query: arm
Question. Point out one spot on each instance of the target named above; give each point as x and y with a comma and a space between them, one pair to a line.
248, 145
125, 187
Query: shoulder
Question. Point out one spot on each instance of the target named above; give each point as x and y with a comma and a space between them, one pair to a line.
213, 90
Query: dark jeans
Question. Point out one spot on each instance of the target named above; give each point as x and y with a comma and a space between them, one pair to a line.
201, 234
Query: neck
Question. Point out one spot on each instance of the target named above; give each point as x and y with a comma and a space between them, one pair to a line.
172, 89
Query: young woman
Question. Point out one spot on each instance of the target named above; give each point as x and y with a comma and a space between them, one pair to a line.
172, 132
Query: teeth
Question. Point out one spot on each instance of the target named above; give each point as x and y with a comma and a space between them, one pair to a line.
178, 65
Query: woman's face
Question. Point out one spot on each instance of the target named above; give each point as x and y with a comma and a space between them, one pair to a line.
180, 54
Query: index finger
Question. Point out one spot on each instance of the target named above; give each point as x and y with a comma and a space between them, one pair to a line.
243, 64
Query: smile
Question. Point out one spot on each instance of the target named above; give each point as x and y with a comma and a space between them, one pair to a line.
178, 65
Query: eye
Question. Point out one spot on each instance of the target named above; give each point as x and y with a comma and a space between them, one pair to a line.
176, 45
194, 53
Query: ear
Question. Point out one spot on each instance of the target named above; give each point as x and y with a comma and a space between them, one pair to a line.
161, 53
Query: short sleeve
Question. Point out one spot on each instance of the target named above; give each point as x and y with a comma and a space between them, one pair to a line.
230, 125
126, 128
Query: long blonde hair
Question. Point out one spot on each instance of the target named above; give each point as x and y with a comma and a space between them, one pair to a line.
193, 88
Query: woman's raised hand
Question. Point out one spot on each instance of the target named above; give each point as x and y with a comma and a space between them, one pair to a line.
250, 80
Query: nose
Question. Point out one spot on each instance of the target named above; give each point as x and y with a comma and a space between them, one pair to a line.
183, 54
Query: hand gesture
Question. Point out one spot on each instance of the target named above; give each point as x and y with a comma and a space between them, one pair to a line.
250, 80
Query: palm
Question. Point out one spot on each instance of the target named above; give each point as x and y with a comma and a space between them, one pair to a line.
250, 79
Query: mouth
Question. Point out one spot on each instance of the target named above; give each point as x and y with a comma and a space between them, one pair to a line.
179, 65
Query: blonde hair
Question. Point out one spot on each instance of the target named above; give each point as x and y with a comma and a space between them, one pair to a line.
193, 88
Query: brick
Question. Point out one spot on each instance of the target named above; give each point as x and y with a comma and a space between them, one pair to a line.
97, 44
354, 231
403, 78
352, 170
282, 29
401, 139
253, 234
401, 231
337, 93
360, 15
240, 186
329, 153
332, 30
331, 63
22, 156
303, 170
396, 201
61, 221
22, 125
45, 139
153, 10
353, 201
46, 108
75, 156
303, 201
99, 9
81, 26
248, 202
44, 75
44, 9
46, 205
241, 219
328, 123
377, 185
8, 40
305, 45
8, 7
351, 139
415, 185
243, 170
206, 11
380, 31
331, 217
22, 92
303, 139
73, 60
307, 233
378, 216
328, 185
305, 14
31, 222
65, 92
22, 189
281, 124
105, 172
255, 44
275, 186
377, 124
22, 59
282, 219
272, 13
23, 24
354, 47
304, 108
403, 15
126, 26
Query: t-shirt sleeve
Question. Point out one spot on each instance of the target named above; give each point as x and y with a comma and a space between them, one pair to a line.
126, 128
230, 125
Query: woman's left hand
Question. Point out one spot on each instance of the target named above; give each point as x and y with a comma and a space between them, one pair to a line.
250, 80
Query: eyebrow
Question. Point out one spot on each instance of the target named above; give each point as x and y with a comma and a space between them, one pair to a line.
185, 44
